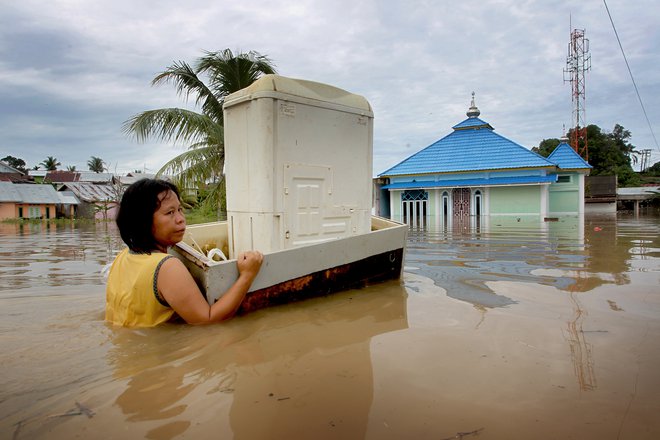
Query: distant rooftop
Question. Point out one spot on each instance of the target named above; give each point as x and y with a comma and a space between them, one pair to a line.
6, 168
28, 193
90, 192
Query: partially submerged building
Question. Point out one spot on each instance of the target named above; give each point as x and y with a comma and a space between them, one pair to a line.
29, 201
58, 194
97, 201
473, 172
567, 193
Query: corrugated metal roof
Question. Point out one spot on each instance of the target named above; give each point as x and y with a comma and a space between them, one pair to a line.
6, 168
566, 158
8, 192
495, 181
638, 191
91, 192
132, 178
67, 198
28, 193
472, 146
60, 176
91, 176
472, 123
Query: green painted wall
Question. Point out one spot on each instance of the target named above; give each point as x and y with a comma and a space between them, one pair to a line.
564, 201
432, 203
515, 200
565, 196
396, 208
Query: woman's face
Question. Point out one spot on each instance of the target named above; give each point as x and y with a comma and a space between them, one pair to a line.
169, 223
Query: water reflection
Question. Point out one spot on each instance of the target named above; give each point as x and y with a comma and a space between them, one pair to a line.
45, 254
383, 362
574, 254
314, 357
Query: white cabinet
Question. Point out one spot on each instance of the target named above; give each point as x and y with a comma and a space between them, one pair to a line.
298, 164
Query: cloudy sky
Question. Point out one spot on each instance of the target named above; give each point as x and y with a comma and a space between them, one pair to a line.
72, 71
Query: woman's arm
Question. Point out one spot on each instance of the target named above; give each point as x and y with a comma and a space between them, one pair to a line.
182, 294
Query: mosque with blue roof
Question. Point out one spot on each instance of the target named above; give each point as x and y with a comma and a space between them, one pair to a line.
474, 172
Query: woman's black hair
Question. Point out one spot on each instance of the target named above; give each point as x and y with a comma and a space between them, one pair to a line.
136, 213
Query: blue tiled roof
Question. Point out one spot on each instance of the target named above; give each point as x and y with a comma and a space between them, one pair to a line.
566, 158
472, 123
495, 181
472, 146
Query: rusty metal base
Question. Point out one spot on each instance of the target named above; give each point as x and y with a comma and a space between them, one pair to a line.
374, 269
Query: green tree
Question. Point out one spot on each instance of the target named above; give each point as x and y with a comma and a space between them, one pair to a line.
50, 164
546, 147
71, 168
609, 153
202, 163
653, 170
96, 164
16, 163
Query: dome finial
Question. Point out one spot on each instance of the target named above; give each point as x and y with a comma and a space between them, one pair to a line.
473, 111
564, 138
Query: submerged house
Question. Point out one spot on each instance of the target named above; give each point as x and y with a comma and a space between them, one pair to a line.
96, 201
475, 173
23, 200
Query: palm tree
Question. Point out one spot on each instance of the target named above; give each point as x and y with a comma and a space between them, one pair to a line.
96, 164
50, 164
203, 161
71, 168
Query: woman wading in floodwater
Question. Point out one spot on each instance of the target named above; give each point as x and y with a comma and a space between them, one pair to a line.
146, 286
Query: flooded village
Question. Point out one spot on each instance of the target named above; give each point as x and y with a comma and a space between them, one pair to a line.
516, 331
514, 312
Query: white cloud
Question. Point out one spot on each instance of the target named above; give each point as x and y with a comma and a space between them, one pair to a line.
79, 68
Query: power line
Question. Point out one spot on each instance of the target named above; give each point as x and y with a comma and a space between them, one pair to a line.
631, 76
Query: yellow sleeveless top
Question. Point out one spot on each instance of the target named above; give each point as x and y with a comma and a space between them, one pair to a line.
131, 295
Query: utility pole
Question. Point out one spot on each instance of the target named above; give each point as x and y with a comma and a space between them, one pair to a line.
645, 159
578, 62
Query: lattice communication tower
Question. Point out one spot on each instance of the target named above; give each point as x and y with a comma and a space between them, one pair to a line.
578, 62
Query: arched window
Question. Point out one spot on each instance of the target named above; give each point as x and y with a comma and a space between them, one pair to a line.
445, 206
477, 203
414, 207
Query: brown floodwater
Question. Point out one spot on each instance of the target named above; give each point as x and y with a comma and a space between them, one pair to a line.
510, 330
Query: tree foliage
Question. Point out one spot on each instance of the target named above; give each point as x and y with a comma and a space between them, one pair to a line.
96, 164
612, 153
50, 163
653, 170
546, 147
214, 76
609, 153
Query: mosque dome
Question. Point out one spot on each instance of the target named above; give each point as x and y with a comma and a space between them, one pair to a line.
473, 111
